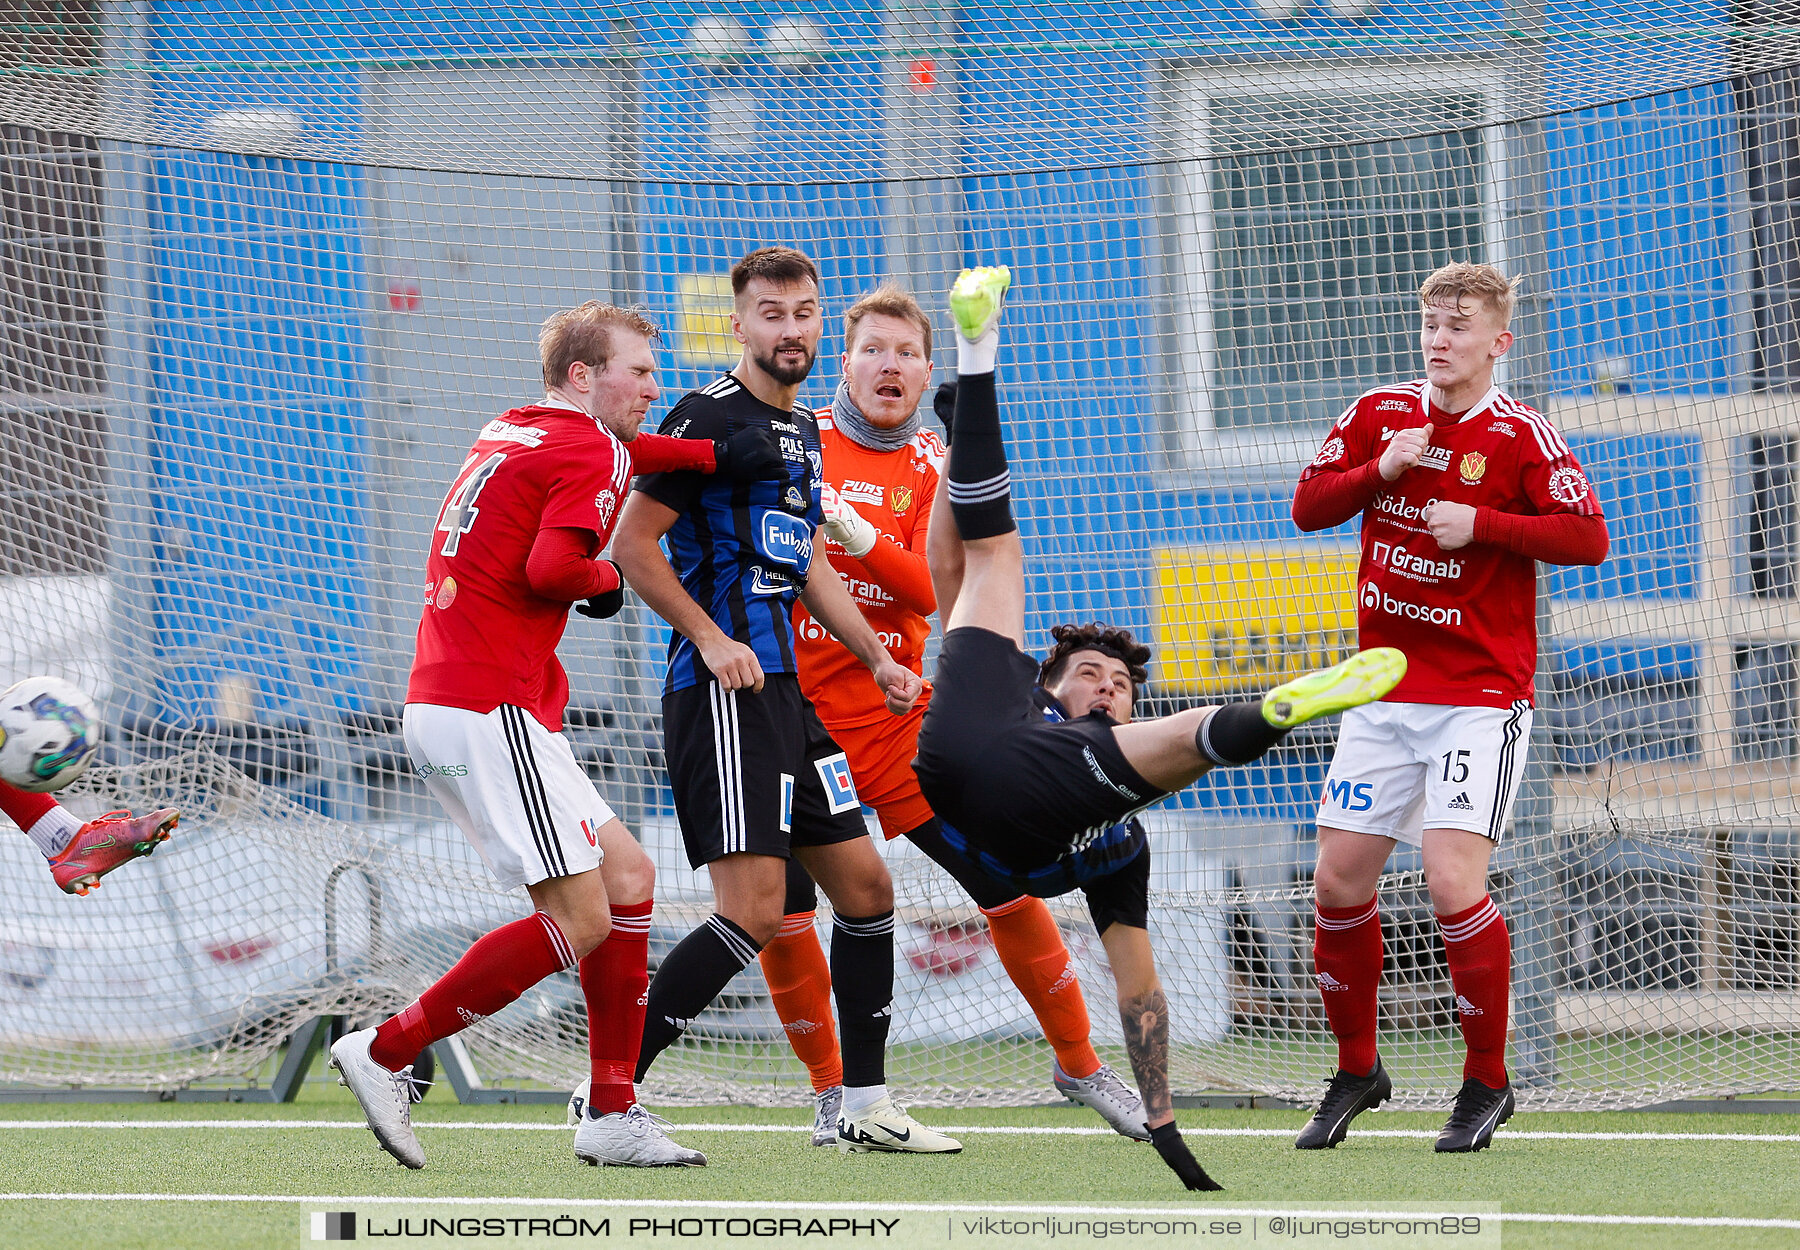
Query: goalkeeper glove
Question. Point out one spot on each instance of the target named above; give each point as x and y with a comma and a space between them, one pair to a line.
847, 527
607, 602
750, 455
944, 404
1167, 1140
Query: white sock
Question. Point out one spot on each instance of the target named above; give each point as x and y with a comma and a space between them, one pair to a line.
859, 1098
977, 356
54, 830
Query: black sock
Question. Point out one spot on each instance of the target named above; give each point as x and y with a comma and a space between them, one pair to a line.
691, 976
1236, 734
980, 484
862, 981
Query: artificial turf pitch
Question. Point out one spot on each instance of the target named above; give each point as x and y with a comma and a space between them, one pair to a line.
1026, 1178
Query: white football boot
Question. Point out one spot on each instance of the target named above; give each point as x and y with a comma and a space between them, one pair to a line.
631, 1139
886, 1126
1118, 1104
386, 1097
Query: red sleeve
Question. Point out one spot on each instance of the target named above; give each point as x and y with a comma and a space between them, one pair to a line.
903, 574
1556, 538
1323, 500
562, 567
658, 453
586, 486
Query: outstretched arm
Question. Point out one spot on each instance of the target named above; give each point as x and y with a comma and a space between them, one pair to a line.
1144, 1011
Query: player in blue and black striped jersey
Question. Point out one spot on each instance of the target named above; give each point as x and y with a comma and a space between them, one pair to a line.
755, 775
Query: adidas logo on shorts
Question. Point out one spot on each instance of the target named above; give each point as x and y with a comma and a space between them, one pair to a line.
1461, 803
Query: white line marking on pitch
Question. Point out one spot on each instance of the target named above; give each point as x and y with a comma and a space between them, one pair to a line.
999, 1130
926, 1208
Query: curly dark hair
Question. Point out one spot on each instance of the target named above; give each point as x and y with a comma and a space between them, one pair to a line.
1068, 638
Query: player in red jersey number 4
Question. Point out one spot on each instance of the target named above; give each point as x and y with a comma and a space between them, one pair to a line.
1461, 488
517, 542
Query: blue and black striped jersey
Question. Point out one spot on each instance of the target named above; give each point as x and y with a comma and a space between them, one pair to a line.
742, 550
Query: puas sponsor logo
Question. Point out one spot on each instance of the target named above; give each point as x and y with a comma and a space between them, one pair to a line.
1473, 465
860, 492
604, 505
1375, 599
497, 431
1568, 486
1333, 450
1401, 560
1435, 458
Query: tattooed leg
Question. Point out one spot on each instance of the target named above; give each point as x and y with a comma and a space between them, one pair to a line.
1146, 1020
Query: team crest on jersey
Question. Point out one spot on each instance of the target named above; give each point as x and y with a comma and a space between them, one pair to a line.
1568, 486
446, 593
902, 497
1332, 451
1474, 464
604, 504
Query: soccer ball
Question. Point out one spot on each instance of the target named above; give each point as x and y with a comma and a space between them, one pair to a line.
578, 1101
49, 731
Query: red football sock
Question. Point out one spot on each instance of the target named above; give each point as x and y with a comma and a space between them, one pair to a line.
1480, 954
22, 807
1032, 951
1348, 957
615, 980
492, 973
799, 980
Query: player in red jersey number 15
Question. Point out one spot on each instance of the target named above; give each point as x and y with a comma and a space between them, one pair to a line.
1461, 488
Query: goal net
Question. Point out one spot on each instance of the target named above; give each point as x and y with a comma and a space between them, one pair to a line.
269, 268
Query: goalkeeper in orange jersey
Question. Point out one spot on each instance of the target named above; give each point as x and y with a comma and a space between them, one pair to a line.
881, 473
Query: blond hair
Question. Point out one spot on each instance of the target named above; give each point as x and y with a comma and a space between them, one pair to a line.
1462, 280
887, 300
584, 333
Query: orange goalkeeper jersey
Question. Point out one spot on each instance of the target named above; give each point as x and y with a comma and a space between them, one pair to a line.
893, 491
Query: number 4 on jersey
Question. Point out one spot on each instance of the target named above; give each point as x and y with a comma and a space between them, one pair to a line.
460, 512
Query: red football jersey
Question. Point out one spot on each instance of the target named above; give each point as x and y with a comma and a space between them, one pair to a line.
1467, 619
485, 637
894, 491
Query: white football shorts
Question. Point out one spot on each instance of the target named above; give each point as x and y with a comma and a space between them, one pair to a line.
513, 788
1403, 768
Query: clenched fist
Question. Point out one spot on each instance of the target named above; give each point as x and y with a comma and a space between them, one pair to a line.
1403, 451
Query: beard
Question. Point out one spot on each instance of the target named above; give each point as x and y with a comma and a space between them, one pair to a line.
787, 375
